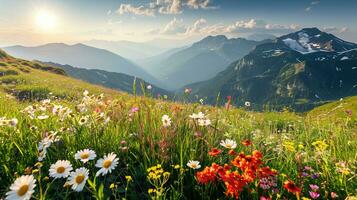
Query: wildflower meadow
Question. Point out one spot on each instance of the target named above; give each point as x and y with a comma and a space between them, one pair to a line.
99, 147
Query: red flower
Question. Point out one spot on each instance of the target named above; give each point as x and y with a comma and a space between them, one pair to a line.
206, 176
214, 152
231, 152
291, 187
246, 142
229, 98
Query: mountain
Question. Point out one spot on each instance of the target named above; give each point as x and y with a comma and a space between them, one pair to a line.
127, 49
200, 61
301, 70
82, 56
261, 36
113, 80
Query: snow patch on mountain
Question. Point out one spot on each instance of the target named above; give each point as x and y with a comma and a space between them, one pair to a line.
294, 45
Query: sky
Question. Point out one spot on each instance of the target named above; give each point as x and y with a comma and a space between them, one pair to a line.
35, 22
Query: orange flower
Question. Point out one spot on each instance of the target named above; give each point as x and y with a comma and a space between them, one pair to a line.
206, 176
290, 186
214, 152
246, 142
231, 152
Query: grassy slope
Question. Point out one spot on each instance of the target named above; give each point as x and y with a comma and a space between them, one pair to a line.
154, 144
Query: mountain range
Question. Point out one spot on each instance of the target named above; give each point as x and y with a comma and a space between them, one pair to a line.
200, 61
82, 56
300, 70
113, 80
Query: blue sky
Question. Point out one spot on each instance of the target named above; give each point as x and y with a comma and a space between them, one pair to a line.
32, 22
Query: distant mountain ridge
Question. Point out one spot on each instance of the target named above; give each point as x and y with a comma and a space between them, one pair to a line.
113, 80
300, 70
200, 61
127, 49
82, 56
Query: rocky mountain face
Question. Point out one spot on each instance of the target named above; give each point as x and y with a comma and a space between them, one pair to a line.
299, 70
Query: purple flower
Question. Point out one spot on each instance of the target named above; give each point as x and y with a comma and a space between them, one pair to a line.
304, 174
315, 176
314, 187
314, 195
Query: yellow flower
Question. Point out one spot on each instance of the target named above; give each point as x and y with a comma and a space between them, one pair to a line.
290, 146
320, 145
176, 166
305, 198
128, 178
112, 186
151, 190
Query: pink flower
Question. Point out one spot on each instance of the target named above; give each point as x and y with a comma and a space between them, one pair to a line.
314, 195
334, 195
314, 187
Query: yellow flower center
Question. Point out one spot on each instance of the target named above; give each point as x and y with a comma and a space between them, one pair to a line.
107, 163
60, 170
79, 178
23, 189
193, 165
85, 155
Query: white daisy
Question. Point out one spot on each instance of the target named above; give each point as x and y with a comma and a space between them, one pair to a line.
83, 120
42, 117
22, 188
193, 164
204, 122
78, 179
229, 144
149, 87
247, 104
107, 164
60, 169
166, 121
85, 155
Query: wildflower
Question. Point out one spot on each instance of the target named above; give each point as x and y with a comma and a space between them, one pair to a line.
107, 164
85, 155
320, 145
61, 169
85, 93
314, 187
78, 179
13, 122
291, 187
41, 117
207, 175
129, 178
334, 195
314, 195
246, 142
231, 152
149, 87
247, 104
83, 120
214, 152
199, 115
264, 198
229, 144
290, 146
22, 188
193, 164
188, 90
204, 122
166, 121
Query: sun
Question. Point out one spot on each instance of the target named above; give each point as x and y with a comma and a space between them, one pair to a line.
45, 20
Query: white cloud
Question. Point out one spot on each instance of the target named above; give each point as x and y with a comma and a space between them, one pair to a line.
139, 10
312, 4
174, 27
164, 7
335, 29
256, 25
202, 27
